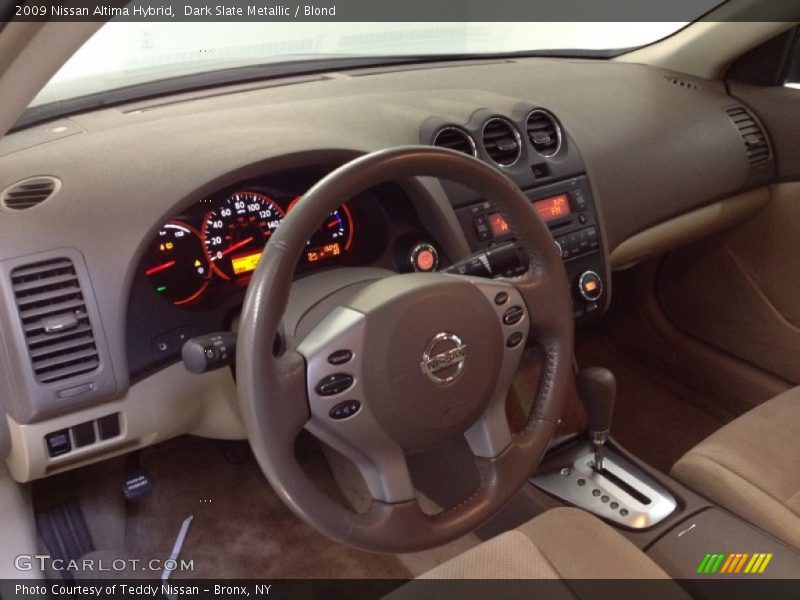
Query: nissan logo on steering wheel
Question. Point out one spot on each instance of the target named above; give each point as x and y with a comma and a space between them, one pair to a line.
444, 358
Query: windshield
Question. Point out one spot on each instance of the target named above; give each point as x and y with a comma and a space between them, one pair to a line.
122, 54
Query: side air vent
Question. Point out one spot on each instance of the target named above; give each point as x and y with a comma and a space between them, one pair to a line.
544, 132
501, 141
29, 192
755, 141
55, 321
455, 139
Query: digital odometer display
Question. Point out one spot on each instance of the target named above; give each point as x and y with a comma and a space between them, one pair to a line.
553, 208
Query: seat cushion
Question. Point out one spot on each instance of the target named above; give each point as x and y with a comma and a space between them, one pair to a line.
563, 543
752, 467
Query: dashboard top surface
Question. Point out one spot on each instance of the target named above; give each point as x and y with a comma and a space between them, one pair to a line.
651, 150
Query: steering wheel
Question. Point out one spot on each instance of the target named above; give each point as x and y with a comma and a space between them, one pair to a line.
404, 364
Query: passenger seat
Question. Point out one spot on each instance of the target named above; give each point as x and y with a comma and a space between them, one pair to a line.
752, 467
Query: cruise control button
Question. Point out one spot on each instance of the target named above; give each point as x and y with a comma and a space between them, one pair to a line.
340, 357
334, 384
345, 409
513, 315
514, 339
501, 298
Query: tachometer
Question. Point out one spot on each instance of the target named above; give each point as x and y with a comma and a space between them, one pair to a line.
236, 232
176, 264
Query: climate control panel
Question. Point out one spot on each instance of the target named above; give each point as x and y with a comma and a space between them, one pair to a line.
568, 209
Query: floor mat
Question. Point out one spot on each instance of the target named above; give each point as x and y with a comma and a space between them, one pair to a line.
655, 418
241, 529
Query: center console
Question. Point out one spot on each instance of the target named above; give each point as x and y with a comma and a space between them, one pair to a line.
568, 209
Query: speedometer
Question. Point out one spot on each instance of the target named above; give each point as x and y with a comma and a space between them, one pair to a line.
236, 232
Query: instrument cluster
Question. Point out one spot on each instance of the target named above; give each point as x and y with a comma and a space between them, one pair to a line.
216, 244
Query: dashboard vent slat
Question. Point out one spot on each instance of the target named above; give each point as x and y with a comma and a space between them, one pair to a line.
544, 132
754, 138
455, 139
501, 141
29, 193
52, 310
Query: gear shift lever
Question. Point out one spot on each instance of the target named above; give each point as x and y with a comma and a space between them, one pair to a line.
619, 490
597, 389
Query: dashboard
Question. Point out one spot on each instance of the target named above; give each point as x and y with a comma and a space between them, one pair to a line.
154, 240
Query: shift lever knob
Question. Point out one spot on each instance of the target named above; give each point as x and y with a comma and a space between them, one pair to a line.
597, 389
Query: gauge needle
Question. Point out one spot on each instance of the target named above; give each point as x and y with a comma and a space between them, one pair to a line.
236, 246
154, 270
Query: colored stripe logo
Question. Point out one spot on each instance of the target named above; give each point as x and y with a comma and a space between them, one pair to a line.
735, 562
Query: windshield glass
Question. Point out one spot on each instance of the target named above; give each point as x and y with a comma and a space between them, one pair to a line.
122, 54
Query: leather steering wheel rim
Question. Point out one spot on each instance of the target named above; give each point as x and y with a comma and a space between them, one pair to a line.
273, 390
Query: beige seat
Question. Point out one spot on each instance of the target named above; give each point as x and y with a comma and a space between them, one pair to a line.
752, 467
563, 543
567, 546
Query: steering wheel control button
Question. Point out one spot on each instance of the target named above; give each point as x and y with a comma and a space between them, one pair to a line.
501, 298
424, 258
514, 339
345, 409
334, 384
340, 357
513, 315
590, 286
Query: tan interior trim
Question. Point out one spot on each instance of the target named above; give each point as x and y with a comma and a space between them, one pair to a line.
706, 49
169, 403
688, 228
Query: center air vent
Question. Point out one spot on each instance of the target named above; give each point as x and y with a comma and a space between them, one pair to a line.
29, 192
755, 141
544, 132
455, 139
501, 141
54, 319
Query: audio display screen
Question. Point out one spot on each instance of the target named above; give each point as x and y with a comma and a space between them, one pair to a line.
553, 208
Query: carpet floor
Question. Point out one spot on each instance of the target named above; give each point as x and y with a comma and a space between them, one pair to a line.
241, 528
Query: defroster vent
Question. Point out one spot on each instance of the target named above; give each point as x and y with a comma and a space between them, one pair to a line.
54, 318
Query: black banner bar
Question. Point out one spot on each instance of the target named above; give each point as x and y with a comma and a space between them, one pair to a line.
733, 588
398, 10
